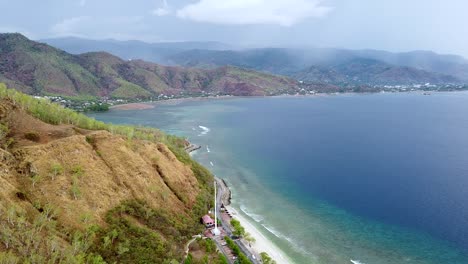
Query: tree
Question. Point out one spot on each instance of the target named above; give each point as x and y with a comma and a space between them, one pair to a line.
266, 259
239, 230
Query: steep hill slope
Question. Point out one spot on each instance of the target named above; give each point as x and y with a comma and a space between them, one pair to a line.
37, 68
73, 194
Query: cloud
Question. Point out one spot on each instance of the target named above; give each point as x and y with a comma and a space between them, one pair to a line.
70, 26
8, 29
244, 12
104, 27
162, 11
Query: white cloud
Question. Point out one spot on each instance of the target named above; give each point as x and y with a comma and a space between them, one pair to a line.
70, 26
8, 29
241, 12
102, 27
162, 11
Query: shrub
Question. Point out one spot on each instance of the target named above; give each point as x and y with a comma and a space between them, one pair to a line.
77, 171
55, 170
266, 258
4, 130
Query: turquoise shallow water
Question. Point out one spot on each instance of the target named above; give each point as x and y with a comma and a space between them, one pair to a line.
370, 178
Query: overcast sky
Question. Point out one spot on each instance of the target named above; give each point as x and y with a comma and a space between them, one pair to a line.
394, 25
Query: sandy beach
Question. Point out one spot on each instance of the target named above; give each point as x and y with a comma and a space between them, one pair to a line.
133, 106
262, 244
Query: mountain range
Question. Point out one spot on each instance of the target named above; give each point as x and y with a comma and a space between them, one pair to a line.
37, 68
416, 66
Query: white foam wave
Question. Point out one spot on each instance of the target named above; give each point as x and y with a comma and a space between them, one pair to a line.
204, 129
274, 232
356, 261
256, 217
208, 149
297, 247
211, 163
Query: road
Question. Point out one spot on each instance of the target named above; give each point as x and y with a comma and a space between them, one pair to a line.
222, 193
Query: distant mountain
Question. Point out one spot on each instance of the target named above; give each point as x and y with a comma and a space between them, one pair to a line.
38, 68
369, 71
282, 61
133, 49
292, 62
424, 60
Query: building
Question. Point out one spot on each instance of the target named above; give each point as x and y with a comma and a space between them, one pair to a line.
207, 221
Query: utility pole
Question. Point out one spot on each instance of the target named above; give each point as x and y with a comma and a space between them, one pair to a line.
215, 231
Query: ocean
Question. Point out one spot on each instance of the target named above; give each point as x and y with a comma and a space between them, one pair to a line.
373, 179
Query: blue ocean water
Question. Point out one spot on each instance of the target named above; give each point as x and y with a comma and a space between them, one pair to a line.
373, 178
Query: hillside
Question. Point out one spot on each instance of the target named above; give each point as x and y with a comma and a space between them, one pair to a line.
37, 68
369, 71
75, 190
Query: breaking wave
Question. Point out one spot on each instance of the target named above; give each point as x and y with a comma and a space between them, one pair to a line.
256, 217
204, 129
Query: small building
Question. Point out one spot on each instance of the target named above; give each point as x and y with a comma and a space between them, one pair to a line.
207, 221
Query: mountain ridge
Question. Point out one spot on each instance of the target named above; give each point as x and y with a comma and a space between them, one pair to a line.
37, 68
293, 60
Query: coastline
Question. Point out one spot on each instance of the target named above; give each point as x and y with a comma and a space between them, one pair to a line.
262, 243
175, 101
133, 106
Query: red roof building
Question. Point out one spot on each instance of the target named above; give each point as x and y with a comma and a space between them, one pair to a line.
207, 221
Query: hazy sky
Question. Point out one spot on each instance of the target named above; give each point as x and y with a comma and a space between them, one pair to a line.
395, 25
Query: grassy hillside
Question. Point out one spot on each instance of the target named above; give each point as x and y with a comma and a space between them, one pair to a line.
37, 68
75, 190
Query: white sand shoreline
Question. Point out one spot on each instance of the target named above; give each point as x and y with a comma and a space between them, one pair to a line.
262, 243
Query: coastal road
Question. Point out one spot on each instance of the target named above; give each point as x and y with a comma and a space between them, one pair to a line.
223, 196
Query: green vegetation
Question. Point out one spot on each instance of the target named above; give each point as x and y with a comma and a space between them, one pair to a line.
55, 170
5, 142
206, 252
238, 229
130, 90
135, 231
55, 114
97, 108
35, 239
266, 259
241, 257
